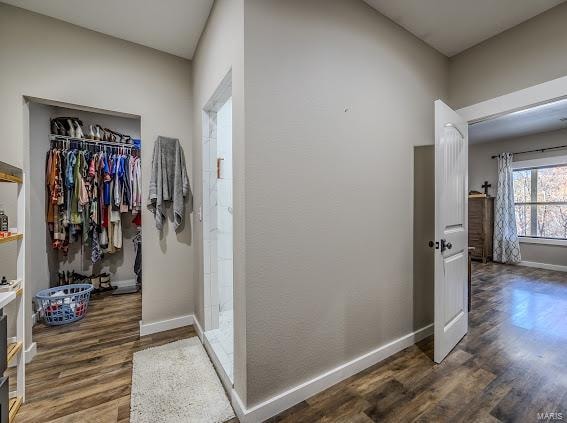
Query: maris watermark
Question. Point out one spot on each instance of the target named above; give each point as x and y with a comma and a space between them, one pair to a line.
550, 416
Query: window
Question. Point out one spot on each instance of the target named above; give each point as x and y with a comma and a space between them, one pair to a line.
540, 197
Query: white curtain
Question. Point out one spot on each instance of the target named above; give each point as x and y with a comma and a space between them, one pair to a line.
506, 244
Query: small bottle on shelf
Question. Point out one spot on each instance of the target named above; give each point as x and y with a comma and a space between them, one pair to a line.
3, 220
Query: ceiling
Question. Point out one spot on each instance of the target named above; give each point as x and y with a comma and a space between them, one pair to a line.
452, 26
543, 118
173, 26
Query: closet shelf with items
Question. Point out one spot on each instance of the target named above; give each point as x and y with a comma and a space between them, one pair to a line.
72, 128
11, 292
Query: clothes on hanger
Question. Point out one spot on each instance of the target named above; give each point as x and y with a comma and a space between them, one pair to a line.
87, 192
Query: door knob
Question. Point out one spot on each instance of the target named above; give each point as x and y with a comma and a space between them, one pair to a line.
445, 245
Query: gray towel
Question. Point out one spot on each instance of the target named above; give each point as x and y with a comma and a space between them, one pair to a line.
169, 181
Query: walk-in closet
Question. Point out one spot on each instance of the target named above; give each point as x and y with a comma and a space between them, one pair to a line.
86, 199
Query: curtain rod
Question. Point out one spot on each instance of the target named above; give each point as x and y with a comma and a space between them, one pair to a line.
539, 150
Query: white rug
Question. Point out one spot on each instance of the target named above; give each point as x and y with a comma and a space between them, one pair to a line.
177, 383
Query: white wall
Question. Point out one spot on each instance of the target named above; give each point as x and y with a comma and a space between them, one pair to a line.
38, 236
423, 232
525, 55
220, 50
483, 168
107, 74
336, 97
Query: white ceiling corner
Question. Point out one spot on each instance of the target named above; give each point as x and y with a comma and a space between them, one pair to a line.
172, 26
452, 26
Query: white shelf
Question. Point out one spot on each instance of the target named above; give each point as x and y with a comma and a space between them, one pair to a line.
6, 298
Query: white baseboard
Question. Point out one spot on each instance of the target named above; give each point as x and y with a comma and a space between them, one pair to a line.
295, 395
223, 376
198, 328
163, 325
225, 380
30, 352
546, 266
35, 318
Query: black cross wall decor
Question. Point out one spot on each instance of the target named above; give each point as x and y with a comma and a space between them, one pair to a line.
486, 185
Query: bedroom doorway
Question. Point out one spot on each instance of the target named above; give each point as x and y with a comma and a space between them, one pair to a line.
520, 288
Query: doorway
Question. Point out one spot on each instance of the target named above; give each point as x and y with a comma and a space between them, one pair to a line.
218, 226
98, 238
506, 107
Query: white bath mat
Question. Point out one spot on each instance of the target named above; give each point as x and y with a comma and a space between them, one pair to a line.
177, 383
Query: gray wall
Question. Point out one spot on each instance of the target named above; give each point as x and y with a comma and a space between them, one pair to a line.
220, 50
37, 236
110, 74
528, 54
423, 232
483, 168
336, 97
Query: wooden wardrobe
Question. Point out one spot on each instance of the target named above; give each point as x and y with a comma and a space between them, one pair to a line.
481, 227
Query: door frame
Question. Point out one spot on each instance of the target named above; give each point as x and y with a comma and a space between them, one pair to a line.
546, 92
526, 98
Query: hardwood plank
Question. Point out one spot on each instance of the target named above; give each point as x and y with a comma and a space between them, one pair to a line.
507, 368
83, 371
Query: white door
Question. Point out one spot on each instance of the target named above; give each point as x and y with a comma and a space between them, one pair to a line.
451, 229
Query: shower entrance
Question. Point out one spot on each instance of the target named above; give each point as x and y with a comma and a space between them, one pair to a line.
218, 225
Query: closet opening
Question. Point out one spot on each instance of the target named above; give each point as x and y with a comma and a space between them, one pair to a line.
218, 228
85, 182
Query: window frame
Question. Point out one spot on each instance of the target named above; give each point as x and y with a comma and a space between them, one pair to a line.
534, 164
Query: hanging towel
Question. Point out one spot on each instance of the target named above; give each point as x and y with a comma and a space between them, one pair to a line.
169, 182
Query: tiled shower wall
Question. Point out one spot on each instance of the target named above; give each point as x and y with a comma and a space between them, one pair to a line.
217, 214
210, 270
224, 207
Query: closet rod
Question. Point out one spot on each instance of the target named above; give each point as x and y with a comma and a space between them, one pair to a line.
539, 150
93, 142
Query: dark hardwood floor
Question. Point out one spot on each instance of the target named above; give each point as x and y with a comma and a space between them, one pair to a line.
83, 371
511, 365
